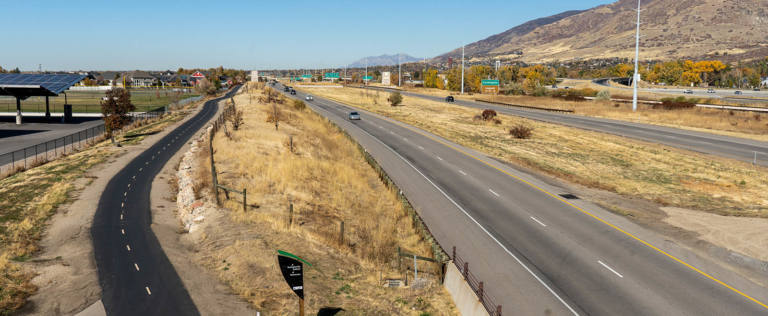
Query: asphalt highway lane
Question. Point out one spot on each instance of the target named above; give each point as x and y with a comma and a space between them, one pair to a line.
707, 143
535, 250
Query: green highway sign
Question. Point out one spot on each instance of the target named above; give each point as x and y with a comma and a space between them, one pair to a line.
306, 76
367, 77
332, 75
488, 82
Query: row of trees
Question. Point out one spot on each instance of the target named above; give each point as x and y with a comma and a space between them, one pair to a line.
13, 71
527, 77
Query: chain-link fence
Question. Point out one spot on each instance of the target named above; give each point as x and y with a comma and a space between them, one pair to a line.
41, 153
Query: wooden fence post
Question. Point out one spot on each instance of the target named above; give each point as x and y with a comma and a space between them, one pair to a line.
341, 234
244, 199
290, 215
480, 290
466, 270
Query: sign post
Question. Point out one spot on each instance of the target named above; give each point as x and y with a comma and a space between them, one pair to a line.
293, 271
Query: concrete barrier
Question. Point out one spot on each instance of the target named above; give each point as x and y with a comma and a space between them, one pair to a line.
463, 296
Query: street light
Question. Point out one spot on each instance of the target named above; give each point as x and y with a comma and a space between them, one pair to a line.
462, 69
636, 77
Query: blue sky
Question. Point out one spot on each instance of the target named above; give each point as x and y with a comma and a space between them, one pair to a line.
157, 35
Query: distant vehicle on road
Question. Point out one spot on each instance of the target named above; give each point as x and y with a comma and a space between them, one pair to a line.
354, 116
449, 98
309, 97
710, 90
688, 91
756, 89
286, 89
554, 86
737, 92
293, 92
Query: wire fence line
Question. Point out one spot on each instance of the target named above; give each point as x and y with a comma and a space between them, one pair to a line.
38, 154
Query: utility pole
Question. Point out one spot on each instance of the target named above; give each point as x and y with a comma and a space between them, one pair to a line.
462, 69
637, 57
399, 71
365, 81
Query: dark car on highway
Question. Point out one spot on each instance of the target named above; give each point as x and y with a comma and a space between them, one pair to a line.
737, 93
293, 92
449, 98
286, 89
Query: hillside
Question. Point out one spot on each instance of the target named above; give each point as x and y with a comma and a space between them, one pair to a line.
730, 29
383, 60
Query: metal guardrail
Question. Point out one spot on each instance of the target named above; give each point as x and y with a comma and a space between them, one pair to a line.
38, 154
488, 301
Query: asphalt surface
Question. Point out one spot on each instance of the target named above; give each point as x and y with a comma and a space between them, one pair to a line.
135, 275
536, 251
724, 146
747, 94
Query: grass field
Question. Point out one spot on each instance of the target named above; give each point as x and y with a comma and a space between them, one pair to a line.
731, 123
631, 168
30, 197
90, 101
328, 181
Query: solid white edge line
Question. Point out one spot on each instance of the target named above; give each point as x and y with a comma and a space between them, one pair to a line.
494, 192
476, 223
609, 268
538, 221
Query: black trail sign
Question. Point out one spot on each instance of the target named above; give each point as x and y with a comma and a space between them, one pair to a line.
293, 271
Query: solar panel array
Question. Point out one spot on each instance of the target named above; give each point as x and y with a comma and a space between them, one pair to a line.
55, 83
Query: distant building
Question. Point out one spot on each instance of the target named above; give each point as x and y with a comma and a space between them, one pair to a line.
764, 83
137, 79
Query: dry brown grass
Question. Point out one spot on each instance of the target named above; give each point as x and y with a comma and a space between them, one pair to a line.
736, 123
328, 181
631, 168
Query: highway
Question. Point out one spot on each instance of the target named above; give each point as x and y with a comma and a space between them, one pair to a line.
747, 94
707, 143
135, 275
536, 251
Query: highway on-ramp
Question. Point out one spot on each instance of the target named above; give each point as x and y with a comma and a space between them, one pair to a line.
135, 275
536, 250
742, 149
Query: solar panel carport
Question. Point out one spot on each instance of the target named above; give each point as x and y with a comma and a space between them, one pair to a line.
23, 86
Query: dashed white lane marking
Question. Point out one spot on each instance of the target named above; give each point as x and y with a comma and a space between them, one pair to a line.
462, 172
422, 148
129, 185
128, 247
148, 291
136, 266
438, 157
126, 193
122, 231
538, 221
153, 157
122, 204
609, 268
134, 177
140, 169
121, 216
494, 193
405, 139
146, 162
391, 132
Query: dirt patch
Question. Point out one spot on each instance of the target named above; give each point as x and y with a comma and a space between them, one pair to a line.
745, 235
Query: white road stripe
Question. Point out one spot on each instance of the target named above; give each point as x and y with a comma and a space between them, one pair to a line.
422, 148
538, 221
140, 169
122, 204
438, 157
125, 193
520, 262
494, 193
148, 291
136, 266
128, 247
405, 139
609, 268
462, 172
121, 216
122, 231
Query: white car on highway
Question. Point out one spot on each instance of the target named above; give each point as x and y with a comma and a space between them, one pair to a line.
309, 97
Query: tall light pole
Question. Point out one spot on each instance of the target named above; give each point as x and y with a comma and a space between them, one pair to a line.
462, 69
366, 72
636, 77
399, 70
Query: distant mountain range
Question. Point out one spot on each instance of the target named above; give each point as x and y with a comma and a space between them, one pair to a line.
722, 29
383, 60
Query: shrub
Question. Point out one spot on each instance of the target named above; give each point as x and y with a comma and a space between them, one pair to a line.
237, 119
521, 131
587, 92
676, 103
539, 92
488, 114
299, 105
395, 98
514, 89
604, 95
